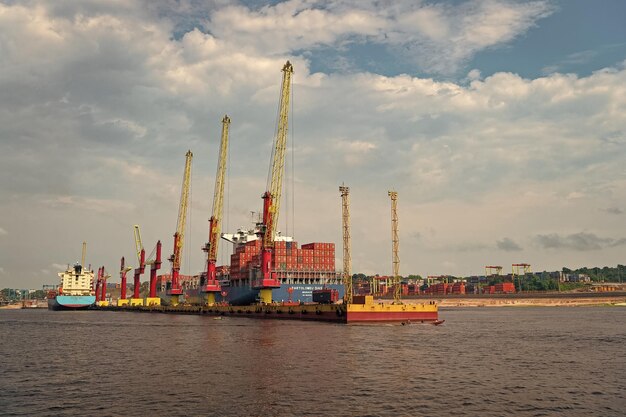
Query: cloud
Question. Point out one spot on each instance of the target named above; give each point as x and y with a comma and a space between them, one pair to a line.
3, 232
439, 38
354, 152
102, 99
581, 241
614, 210
508, 245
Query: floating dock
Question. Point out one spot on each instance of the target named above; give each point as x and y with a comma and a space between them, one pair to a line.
368, 312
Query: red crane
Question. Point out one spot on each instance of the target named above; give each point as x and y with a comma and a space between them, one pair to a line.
154, 267
271, 198
175, 291
211, 285
136, 300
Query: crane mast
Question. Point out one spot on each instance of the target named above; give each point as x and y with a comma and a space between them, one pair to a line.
82, 259
394, 246
347, 258
179, 237
272, 197
215, 222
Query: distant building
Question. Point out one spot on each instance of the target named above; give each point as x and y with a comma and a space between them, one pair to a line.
573, 277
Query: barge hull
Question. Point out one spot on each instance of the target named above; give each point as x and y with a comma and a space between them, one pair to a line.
335, 313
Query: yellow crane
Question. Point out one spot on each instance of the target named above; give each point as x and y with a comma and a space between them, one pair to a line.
179, 237
347, 258
272, 197
212, 285
395, 242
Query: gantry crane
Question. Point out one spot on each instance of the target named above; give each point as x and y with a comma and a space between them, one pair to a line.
516, 272
395, 241
212, 285
272, 197
179, 237
347, 259
489, 268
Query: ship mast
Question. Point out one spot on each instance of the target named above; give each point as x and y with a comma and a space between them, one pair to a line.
82, 261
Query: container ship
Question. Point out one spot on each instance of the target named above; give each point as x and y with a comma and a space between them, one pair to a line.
76, 290
300, 270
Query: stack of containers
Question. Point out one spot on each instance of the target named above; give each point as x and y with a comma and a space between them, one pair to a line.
457, 288
286, 257
405, 289
413, 289
243, 258
439, 289
505, 288
319, 256
490, 289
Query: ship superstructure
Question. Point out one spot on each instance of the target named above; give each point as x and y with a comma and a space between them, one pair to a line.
76, 290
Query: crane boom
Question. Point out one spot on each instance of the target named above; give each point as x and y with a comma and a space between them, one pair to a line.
218, 194
272, 197
183, 209
179, 236
275, 181
138, 243
211, 285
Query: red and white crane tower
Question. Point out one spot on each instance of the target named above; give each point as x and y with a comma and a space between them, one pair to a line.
271, 198
211, 284
175, 290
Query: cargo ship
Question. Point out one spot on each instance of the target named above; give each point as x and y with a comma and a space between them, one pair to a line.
76, 290
300, 270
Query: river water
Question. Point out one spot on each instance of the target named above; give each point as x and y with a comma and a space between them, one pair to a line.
482, 362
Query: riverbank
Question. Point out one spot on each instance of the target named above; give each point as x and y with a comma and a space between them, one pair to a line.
447, 302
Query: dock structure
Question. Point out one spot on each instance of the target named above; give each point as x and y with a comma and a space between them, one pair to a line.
363, 310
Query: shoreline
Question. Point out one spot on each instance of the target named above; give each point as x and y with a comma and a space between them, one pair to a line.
530, 302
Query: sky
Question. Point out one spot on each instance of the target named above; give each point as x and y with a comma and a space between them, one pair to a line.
501, 125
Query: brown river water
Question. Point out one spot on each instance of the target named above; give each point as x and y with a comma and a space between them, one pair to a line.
539, 361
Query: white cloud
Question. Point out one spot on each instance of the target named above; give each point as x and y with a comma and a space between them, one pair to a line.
3, 232
437, 37
101, 104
